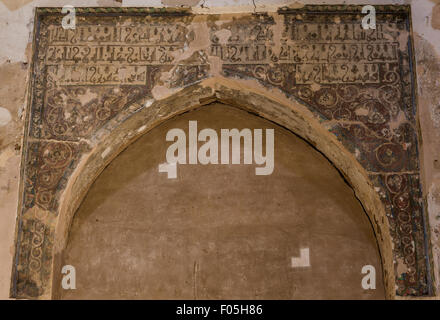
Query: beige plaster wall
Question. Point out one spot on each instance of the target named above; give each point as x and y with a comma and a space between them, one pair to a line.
16, 24
220, 231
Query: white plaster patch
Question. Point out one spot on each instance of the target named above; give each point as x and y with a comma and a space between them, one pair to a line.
148, 103
315, 86
223, 35
142, 128
161, 92
362, 112
5, 116
105, 152
87, 97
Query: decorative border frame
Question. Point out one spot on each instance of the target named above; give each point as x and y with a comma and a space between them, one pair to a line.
51, 158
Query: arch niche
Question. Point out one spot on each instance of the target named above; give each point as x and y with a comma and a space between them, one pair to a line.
111, 140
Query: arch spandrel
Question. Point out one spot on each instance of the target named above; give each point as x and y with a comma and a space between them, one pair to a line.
381, 166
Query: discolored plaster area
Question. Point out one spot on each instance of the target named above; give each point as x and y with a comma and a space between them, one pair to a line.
220, 231
195, 61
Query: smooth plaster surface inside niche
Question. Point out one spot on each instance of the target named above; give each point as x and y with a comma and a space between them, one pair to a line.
220, 231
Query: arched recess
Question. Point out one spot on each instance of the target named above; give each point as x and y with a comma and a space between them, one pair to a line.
112, 140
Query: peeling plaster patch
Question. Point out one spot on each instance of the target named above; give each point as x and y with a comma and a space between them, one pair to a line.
277, 35
258, 88
215, 65
161, 92
194, 53
315, 86
5, 116
106, 152
199, 28
142, 128
403, 40
87, 97
362, 112
223, 35
401, 267
148, 103
398, 120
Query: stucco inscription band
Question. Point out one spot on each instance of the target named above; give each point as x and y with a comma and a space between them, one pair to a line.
313, 70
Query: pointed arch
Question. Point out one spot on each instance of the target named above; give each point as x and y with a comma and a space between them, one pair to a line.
111, 140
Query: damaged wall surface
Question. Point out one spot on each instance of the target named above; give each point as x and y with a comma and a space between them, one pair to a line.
359, 86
